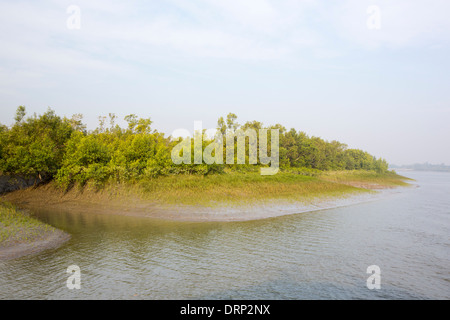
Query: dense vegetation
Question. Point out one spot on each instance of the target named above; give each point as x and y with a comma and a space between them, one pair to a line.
50, 147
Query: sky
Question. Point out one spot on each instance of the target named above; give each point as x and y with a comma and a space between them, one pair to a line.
374, 74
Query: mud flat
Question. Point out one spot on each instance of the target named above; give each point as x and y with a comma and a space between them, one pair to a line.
49, 240
21, 234
45, 197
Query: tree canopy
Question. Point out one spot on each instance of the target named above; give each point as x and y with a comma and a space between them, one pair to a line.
50, 147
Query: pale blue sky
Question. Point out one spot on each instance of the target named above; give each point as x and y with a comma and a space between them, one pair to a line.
311, 65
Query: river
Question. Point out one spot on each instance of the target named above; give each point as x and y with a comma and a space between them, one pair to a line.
315, 255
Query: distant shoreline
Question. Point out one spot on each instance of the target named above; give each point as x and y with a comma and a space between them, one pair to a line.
422, 167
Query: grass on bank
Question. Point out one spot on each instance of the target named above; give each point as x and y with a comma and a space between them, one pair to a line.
16, 226
239, 188
365, 178
217, 190
251, 187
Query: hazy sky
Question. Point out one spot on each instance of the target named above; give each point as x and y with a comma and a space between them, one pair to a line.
323, 67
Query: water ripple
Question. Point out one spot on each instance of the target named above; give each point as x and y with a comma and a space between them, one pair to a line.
313, 255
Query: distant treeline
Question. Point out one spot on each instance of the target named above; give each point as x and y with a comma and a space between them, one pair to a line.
424, 167
50, 147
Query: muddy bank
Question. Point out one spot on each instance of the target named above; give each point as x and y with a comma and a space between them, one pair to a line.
50, 198
256, 211
49, 240
21, 234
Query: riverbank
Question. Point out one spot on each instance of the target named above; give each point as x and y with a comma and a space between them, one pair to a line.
229, 197
21, 235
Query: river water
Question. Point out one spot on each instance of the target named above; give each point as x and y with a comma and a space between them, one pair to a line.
315, 255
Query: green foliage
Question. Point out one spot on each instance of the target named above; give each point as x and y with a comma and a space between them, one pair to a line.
115, 154
20, 114
34, 146
51, 146
85, 160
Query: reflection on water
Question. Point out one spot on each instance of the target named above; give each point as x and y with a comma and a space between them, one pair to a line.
316, 255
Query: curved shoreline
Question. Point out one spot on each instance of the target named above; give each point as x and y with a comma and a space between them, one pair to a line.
43, 198
260, 211
51, 240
